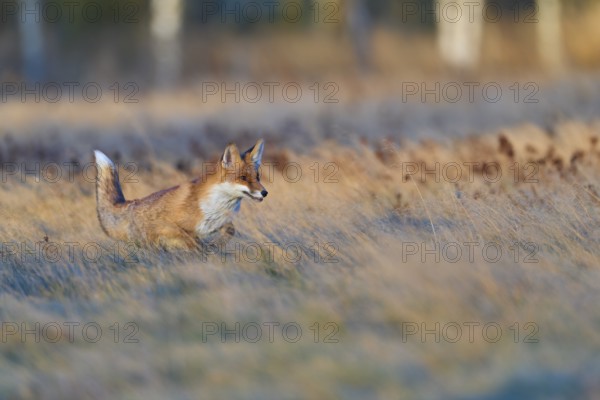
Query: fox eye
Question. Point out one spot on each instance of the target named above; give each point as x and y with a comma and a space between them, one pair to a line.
243, 177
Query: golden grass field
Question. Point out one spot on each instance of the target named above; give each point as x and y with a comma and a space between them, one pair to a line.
349, 246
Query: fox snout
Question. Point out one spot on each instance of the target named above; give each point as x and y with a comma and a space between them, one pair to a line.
259, 193
256, 195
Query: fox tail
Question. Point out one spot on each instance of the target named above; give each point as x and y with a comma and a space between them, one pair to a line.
108, 190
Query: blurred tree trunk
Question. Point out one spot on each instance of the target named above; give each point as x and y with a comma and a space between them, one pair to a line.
359, 27
166, 22
32, 41
550, 34
459, 35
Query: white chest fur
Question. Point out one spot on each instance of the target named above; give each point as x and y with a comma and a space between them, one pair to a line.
218, 207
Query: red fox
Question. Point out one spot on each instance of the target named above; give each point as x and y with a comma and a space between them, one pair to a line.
183, 216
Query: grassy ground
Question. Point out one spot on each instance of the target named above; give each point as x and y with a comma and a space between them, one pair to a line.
504, 307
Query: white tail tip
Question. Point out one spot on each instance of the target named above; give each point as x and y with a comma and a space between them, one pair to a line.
102, 160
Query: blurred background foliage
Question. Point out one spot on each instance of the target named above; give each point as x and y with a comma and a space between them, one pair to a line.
175, 42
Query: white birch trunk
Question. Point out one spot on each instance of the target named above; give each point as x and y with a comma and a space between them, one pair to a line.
165, 26
550, 34
459, 34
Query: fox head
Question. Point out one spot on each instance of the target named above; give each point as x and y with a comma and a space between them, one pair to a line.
242, 171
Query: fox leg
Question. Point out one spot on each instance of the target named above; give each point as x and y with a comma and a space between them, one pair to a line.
219, 238
173, 237
227, 230
226, 233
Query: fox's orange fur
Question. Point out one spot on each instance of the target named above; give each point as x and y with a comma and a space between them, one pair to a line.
182, 216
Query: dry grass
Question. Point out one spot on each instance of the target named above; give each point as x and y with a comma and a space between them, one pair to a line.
368, 213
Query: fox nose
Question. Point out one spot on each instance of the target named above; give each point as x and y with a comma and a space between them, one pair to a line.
264, 193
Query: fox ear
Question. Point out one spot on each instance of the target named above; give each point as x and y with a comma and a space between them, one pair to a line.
231, 156
256, 153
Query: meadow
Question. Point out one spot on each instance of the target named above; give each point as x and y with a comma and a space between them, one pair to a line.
401, 253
